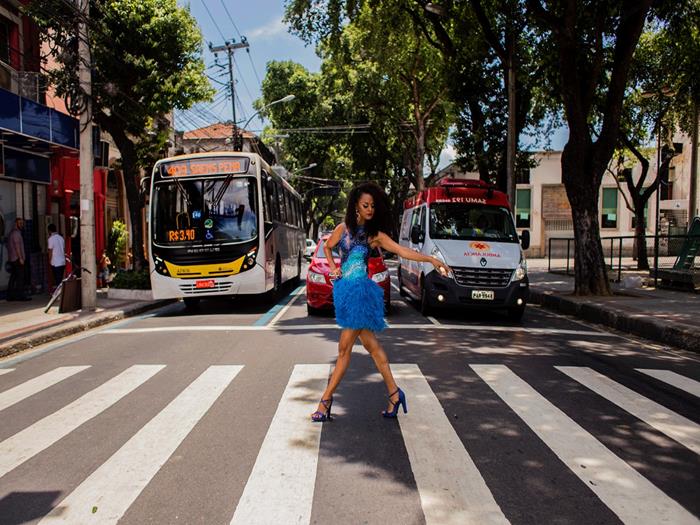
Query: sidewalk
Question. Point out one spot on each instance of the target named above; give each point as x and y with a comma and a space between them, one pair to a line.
666, 316
24, 325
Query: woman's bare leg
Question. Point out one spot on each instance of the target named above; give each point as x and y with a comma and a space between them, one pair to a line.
347, 340
371, 344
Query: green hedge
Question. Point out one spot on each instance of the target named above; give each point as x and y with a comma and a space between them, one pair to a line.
132, 280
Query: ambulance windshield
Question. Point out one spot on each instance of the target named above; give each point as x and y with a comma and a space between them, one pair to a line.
451, 220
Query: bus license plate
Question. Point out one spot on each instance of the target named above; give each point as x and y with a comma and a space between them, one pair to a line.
483, 295
209, 283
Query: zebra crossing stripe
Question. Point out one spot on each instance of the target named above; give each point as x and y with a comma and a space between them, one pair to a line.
681, 382
653, 414
18, 448
5, 370
451, 489
280, 488
624, 490
109, 491
37, 384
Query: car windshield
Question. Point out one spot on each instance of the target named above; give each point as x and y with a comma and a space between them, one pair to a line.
463, 221
206, 210
320, 254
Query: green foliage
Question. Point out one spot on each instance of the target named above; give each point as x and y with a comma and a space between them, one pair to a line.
116, 243
132, 280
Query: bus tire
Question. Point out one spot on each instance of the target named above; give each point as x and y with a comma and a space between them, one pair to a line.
191, 302
297, 279
277, 285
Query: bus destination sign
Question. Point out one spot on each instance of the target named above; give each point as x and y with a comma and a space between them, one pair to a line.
204, 167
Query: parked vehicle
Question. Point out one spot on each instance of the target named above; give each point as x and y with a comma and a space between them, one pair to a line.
319, 286
468, 225
310, 249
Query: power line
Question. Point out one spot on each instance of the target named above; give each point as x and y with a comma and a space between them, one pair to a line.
213, 20
231, 19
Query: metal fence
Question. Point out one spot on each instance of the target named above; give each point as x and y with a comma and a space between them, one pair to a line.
663, 252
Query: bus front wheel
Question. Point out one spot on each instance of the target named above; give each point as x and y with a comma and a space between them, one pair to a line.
277, 286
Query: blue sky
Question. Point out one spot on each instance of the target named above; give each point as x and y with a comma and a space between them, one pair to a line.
261, 22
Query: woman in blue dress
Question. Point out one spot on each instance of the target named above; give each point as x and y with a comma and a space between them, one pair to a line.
359, 301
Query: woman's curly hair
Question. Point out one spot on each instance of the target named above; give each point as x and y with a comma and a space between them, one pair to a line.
381, 220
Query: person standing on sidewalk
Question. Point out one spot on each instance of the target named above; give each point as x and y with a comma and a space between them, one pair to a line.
17, 260
57, 255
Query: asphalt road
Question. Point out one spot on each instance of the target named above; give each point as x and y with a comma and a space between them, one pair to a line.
202, 417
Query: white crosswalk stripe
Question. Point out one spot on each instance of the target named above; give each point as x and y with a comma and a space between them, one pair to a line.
5, 370
20, 447
37, 384
661, 418
626, 492
451, 489
681, 382
109, 491
280, 488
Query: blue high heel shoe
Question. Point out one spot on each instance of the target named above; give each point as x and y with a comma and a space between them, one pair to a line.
320, 417
395, 406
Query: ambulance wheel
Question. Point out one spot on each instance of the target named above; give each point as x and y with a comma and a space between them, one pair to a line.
425, 308
402, 293
191, 302
516, 314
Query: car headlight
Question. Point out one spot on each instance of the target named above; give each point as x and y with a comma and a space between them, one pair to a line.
438, 255
380, 276
315, 277
520, 272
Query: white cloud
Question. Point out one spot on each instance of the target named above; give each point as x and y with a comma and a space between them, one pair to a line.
272, 29
447, 156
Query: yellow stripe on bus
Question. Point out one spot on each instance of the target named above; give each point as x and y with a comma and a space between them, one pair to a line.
205, 270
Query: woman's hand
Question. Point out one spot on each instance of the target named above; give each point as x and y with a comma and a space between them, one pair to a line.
335, 273
440, 266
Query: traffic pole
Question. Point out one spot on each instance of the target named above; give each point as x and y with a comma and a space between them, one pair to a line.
87, 195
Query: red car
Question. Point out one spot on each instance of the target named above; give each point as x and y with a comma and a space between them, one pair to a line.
319, 288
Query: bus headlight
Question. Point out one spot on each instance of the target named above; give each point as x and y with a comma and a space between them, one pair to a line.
438, 255
314, 277
380, 276
161, 267
520, 272
249, 260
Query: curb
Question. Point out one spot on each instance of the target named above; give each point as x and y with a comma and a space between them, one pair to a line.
73, 327
685, 338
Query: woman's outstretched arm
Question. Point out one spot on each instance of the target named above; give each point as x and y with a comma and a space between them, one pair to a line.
387, 243
328, 246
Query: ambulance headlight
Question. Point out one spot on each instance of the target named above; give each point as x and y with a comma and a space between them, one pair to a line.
438, 255
520, 272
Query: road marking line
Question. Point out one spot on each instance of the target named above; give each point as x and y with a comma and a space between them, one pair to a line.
5, 370
19, 448
433, 320
653, 414
294, 297
272, 312
280, 488
451, 488
624, 490
115, 485
37, 384
421, 326
681, 382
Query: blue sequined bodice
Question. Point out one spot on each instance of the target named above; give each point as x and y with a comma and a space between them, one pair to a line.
354, 253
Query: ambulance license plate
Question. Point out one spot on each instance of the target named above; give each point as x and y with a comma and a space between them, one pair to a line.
209, 283
483, 295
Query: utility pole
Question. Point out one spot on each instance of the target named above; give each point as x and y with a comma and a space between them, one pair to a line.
693, 197
87, 198
230, 48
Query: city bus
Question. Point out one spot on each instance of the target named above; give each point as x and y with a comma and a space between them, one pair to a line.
222, 224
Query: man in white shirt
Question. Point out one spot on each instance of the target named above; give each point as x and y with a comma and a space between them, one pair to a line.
57, 254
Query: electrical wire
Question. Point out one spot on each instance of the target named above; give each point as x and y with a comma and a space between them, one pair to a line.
213, 20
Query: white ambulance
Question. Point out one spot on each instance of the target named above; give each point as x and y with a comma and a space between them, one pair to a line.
469, 225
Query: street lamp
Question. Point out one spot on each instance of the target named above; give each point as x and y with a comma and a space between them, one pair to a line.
310, 166
665, 91
282, 100
436, 9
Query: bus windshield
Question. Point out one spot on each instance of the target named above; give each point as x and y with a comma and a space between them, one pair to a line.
205, 210
464, 221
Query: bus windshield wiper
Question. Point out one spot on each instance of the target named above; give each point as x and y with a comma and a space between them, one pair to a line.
181, 189
220, 194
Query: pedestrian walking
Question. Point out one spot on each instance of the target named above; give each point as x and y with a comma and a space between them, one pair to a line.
57, 255
103, 270
359, 302
17, 259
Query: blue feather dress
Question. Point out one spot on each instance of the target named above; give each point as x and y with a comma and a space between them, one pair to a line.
359, 301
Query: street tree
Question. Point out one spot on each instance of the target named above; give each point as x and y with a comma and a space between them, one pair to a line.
146, 61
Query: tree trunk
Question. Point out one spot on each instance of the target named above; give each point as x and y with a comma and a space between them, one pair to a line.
133, 197
582, 189
640, 238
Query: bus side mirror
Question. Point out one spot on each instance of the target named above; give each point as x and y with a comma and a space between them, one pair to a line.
416, 234
144, 186
525, 239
